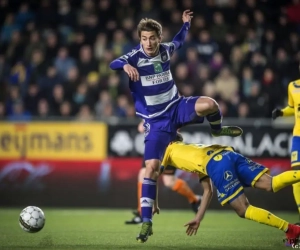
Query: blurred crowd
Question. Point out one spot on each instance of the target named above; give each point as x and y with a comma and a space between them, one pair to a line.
55, 55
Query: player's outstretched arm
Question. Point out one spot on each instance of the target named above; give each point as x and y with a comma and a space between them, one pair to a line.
194, 224
178, 40
287, 111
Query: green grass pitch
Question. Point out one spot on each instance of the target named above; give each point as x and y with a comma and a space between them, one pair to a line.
105, 229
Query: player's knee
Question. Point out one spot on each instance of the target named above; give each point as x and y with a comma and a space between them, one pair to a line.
241, 207
206, 105
264, 183
241, 211
152, 165
169, 181
152, 168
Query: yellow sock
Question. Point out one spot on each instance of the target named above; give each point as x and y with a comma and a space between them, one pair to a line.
296, 190
285, 179
265, 217
181, 187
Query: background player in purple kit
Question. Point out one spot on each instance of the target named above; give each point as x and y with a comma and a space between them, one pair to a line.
158, 102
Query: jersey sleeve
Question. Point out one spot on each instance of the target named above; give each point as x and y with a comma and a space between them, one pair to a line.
290, 96
128, 58
178, 39
170, 47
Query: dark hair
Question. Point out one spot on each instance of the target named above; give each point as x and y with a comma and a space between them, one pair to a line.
147, 24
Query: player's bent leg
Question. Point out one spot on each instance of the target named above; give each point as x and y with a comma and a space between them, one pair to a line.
296, 189
264, 182
141, 174
206, 106
240, 205
156, 142
141, 177
147, 198
149, 189
285, 179
247, 211
169, 180
152, 167
253, 174
181, 187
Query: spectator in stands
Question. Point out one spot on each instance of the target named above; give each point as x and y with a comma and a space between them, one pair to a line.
43, 110
51, 46
14, 48
80, 97
269, 45
227, 85
8, 28
63, 62
18, 113
257, 101
57, 98
2, 111
72, 81
65, 110
32, 98
206, 46
243, 110
35, 43
46, 83
219, 28
247, 81
86, 62
85, 114
103, 102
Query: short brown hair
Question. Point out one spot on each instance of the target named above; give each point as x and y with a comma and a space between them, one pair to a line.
147, 24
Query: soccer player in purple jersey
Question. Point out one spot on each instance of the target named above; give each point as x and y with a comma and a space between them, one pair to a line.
158, 102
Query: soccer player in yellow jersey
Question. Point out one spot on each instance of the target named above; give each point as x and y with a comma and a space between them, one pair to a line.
293, 109
230, 172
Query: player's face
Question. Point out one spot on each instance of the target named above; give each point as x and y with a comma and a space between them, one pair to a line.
150, 42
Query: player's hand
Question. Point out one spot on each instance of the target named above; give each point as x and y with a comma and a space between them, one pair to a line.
131, 72
193, 226
155, 210
276, 113
141, 128
187, 16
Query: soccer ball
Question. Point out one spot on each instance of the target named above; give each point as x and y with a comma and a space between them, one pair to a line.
32, 219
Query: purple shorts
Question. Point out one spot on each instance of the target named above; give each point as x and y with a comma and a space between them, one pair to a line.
160, 131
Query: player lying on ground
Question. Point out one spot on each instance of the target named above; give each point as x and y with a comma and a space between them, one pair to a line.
230, 172
170, 181
293, 109
158, 102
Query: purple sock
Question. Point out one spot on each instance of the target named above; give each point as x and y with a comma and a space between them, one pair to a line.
147, 199
215, 120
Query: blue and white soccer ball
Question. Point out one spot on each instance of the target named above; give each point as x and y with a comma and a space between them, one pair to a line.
32, 219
